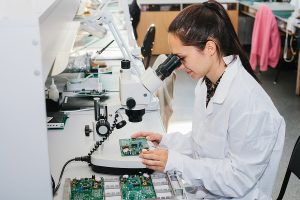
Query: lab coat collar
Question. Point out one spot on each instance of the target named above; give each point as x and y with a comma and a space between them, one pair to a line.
232, 62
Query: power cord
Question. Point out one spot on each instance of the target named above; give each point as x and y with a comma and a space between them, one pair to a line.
85, 158
53, 184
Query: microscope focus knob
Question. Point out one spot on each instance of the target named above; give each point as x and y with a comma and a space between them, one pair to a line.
87, 130
130, 103
102, 127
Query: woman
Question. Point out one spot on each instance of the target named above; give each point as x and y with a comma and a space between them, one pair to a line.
237, 135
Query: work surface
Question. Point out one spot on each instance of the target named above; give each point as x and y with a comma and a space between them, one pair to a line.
70, 142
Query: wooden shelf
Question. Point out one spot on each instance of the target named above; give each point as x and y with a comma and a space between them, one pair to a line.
162, 19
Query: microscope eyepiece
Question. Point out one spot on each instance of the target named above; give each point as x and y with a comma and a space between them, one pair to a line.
168, 66
125, 64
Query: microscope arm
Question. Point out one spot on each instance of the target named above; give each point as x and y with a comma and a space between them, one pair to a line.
94, 25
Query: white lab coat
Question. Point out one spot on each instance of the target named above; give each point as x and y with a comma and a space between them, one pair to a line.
235, 144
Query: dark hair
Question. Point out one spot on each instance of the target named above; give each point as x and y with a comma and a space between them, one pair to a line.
199, 23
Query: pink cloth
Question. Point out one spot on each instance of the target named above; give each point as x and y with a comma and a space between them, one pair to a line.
265, 49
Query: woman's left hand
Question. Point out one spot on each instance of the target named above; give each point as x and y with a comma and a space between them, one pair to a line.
155, 159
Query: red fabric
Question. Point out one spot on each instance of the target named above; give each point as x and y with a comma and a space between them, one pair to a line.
265, 49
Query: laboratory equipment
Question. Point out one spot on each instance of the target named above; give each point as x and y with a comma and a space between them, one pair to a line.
103, 49
135, 95
131, 38
95, 23
102, 126
90, 25
84, 83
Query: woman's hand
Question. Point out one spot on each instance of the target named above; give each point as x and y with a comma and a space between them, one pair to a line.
155, 159
155, 138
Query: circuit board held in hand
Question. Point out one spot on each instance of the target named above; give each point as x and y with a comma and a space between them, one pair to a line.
133, 147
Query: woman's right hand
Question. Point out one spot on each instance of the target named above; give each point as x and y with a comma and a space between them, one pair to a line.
155, 138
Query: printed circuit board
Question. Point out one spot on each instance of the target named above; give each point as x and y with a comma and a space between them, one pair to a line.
87, 188
133, 147
137, 187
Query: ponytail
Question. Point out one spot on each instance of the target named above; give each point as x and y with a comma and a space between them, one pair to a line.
198, 23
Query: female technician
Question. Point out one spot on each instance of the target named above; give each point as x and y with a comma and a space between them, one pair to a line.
237, 136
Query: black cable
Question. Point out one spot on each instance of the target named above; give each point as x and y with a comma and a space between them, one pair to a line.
53, 184
83, 159
99, 143
61, 174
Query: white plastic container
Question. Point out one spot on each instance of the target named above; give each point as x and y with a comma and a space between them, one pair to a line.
53, 92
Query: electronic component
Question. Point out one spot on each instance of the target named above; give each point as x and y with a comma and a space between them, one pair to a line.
56, 120
137, 187
133, 147
87, 188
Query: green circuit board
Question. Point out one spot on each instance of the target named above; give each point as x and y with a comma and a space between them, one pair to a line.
133, 147
87, 189
137, 187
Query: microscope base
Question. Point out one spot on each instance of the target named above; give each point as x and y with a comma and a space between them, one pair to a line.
119, 171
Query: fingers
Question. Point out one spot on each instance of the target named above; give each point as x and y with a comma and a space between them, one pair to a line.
153, 163
150, 156
141, 134
155, 159
153, 137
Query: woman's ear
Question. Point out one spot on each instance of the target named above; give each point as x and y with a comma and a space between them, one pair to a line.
210, 47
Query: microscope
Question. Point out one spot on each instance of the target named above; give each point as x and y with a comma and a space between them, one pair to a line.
136, 93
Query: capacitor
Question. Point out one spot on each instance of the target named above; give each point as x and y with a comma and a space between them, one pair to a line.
146, 175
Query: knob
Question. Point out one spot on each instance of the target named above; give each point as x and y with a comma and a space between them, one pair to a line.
130, 103
125, 64
87, 130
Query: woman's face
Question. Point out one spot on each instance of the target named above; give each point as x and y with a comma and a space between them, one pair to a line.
195, 62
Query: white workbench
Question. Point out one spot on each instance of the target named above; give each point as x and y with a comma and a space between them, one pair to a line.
71, 141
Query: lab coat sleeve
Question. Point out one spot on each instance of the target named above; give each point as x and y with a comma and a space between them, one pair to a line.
251, 139
178, 142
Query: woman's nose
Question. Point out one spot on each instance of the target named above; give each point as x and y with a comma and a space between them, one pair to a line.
181, 67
